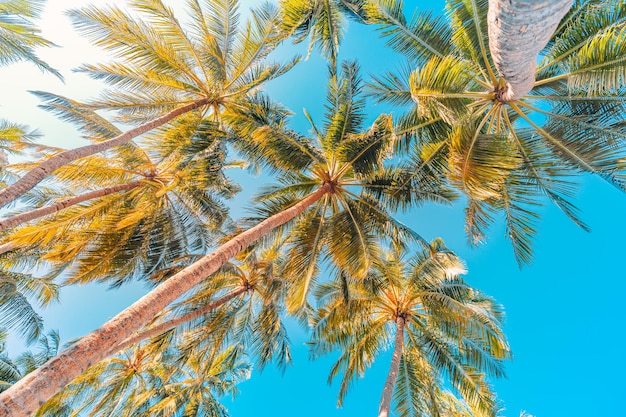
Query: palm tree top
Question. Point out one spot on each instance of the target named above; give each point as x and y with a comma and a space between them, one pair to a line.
446, 327
159, 64
346, 224
508, 154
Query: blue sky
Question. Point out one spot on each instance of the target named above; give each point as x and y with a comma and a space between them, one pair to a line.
565, 317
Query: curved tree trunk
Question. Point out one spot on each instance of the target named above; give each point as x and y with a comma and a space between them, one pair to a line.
47, 167
27, 395
392, 376
53, 208
518, 31
170, 324
6, 247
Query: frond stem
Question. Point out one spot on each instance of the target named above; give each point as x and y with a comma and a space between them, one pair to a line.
474, 138
570, 119
580, 71
481, 42
552, 139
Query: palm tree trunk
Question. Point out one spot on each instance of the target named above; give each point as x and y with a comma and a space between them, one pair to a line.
518, 31
47, 167
53, 208
392, 376
6, 247
163, 327
32, 391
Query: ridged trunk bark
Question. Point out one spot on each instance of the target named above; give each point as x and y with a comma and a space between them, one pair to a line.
53, 208
518, 31
28, 394
170, 324
392, 376
47, 167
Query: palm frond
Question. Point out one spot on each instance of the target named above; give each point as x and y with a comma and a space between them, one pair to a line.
470, 37
16, 311
423, 37
344, 111
19, 36
599, 67
439, 88
588, 21
480, 163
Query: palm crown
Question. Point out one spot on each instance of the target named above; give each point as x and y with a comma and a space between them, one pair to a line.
162, 70
241, 305
440, 324
161, 65
172, 205
345, 225
145, 381
504, 154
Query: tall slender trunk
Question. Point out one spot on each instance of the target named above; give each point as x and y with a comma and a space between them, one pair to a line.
170, 324
6, 247
392, 376
47, 167
34, 389
518, 31
53, 208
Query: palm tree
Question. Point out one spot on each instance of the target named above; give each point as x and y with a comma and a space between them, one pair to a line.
346, 158
437, 324
19, 37
253, 324
162, 70
344, 227
506, 154
185, 369
167, 202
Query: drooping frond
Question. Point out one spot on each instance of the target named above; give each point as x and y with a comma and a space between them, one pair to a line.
261, 135
422, 37
16, 311
478, 217
19, 37
480, 163
304, 255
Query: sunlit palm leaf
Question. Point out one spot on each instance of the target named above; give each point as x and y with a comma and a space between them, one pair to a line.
19, 37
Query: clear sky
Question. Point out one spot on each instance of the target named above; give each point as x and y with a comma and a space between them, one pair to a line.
565, 312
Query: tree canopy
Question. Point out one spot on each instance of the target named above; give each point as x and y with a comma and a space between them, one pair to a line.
187, 101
